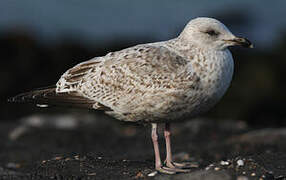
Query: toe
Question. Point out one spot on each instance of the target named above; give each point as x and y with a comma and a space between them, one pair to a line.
163, 170
177, 170
185, 165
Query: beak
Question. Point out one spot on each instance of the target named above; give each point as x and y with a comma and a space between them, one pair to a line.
241, 42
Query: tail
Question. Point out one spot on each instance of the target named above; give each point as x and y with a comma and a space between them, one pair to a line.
49, 97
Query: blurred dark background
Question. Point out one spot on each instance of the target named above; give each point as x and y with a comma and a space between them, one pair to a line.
40, 40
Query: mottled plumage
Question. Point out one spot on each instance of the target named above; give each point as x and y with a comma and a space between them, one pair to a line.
154, 82
150, 83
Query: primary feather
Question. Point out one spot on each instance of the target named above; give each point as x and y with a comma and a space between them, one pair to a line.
48, 97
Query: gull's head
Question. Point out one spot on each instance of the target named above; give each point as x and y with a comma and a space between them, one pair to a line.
211, 33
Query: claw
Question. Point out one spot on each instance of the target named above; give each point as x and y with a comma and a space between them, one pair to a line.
180, 165
165, 171
169, 170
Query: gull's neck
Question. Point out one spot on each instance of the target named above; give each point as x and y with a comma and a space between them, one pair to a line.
183, 48
211, 65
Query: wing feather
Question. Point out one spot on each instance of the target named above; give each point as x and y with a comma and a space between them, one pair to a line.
120, 77
48, 97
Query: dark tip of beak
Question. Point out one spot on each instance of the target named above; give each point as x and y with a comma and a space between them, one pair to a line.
243, 42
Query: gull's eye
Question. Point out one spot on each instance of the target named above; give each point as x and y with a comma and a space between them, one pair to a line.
212, 32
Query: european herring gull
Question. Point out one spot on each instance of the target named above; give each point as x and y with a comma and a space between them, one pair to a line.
161, 82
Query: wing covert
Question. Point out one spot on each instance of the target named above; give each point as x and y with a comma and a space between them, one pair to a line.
128, 75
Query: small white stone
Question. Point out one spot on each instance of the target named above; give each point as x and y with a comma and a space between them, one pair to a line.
209, 166
240, 162
216, 168
42, 105
253, 174
224, 163
152, 173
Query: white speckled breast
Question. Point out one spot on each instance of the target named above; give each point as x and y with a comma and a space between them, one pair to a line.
215, 78
215, 71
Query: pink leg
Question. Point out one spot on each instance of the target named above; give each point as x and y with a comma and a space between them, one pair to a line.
158, 163
154, 135
169, 162
167, 134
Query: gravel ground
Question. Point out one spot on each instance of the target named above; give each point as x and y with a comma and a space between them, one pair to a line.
88, 146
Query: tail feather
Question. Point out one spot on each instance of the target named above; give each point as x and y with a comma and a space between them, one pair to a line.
48, 97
